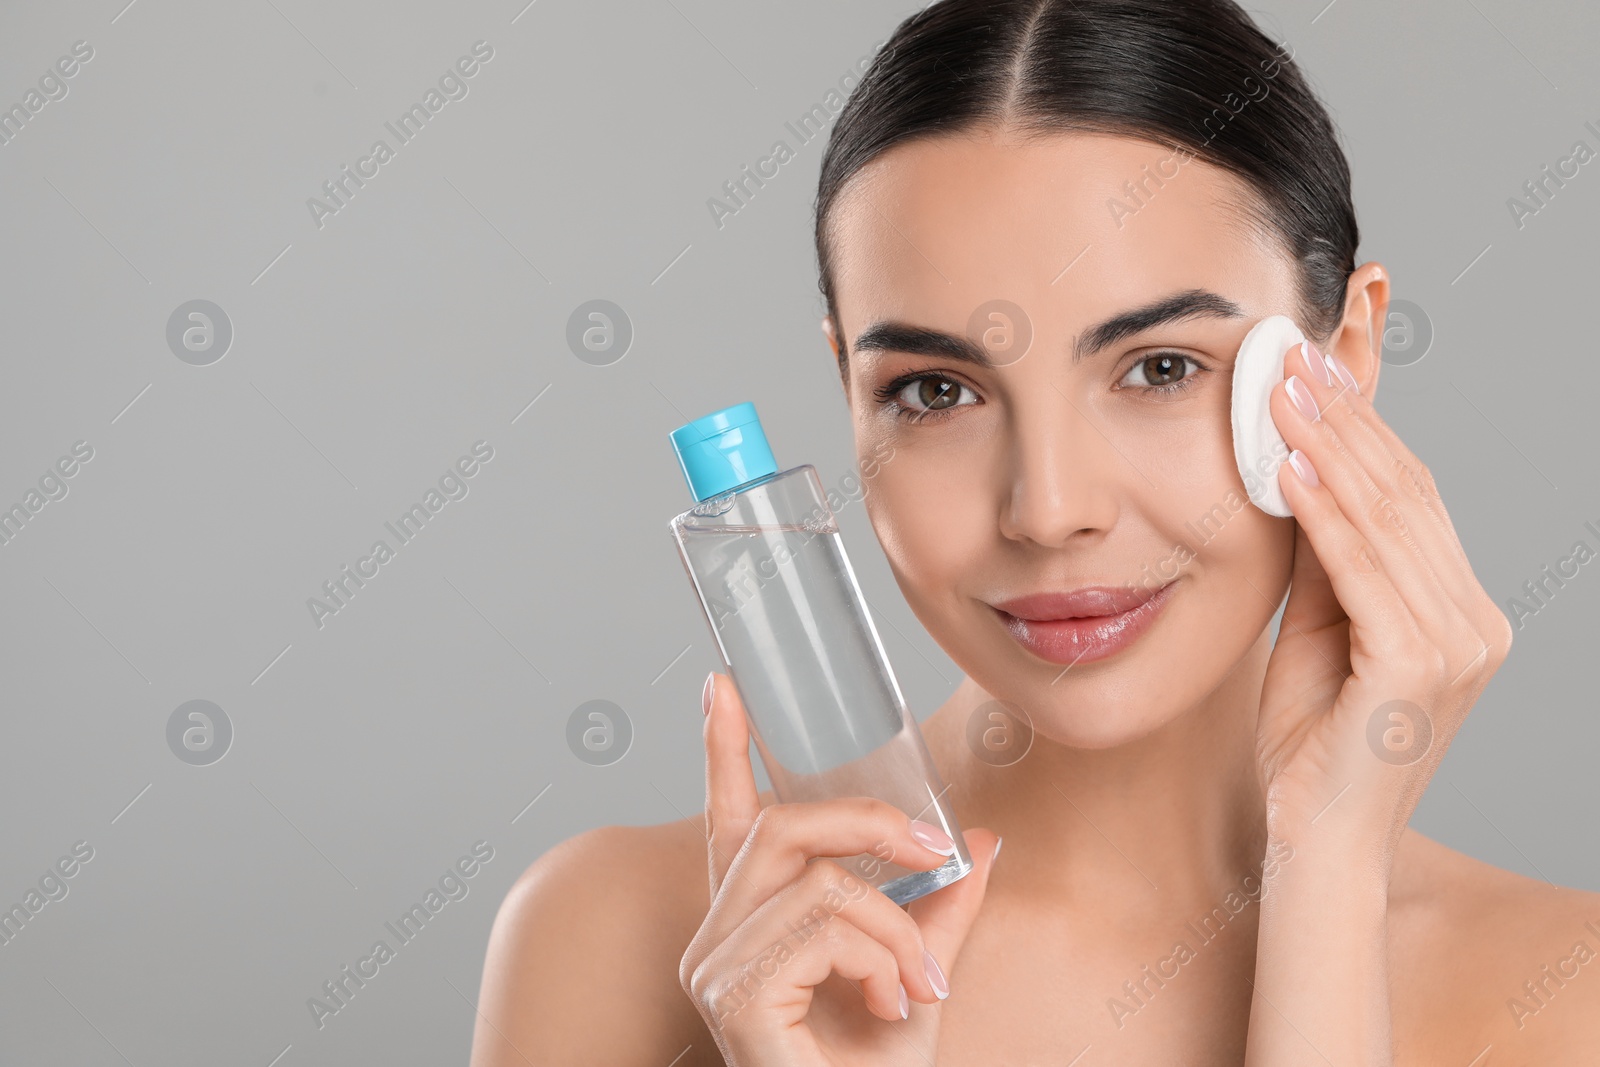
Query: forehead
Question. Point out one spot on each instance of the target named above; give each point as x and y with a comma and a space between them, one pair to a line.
1066, 225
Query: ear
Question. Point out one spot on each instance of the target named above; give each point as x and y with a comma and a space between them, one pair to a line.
1358, 342
832, 334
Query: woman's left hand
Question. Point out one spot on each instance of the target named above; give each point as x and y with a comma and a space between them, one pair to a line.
1387, 638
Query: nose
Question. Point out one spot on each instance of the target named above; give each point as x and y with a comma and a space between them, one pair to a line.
1063, 474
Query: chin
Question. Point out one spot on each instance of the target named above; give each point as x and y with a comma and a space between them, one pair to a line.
1102, 710
1110, 700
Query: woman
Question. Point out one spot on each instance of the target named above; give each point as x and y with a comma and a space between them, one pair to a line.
1207, 857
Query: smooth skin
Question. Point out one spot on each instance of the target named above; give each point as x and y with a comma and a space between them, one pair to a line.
1205, 859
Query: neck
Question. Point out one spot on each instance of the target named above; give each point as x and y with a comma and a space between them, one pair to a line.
1175, 819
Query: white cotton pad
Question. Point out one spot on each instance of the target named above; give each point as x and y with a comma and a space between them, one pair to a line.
1258, 447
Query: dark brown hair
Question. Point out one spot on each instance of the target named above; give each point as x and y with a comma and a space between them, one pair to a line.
1181, 73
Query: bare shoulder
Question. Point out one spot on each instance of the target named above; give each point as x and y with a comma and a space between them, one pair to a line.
582, 963
1489, 967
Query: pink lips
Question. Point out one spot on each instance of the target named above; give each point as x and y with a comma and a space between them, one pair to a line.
1083, 625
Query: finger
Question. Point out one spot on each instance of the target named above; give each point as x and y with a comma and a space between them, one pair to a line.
827, 891
765, 977
1314, 619
732, 803
1313, 610
1368, 508
1380, 618
1405, 503
1408, 469
1397, 472
1410, 479
1448, 602
785, 838
1313, 603
946, 915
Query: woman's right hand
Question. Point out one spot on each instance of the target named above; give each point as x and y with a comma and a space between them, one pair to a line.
775, 965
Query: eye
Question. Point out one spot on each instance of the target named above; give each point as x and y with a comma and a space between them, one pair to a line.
922, 396
1163, 373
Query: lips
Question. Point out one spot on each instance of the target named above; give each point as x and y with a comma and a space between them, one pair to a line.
1088, 602
1084, 625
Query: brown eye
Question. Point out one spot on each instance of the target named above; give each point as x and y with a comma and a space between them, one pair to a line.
924, 396
1163, 369
1164, 372
935, 394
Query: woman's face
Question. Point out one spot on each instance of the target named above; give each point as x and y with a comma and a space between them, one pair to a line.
1094, 457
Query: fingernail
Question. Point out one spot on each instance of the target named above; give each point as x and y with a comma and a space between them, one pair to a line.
933, 837
1302, 466
997, 843
905, 1002
705, 693
1337, 366
941, 988
1302, 398
1317, 362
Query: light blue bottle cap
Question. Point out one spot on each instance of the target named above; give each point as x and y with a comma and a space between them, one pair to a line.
723, 449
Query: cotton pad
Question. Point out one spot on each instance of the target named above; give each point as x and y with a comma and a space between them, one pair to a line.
1258, 447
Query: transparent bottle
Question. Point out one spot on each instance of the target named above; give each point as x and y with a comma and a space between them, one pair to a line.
763, 550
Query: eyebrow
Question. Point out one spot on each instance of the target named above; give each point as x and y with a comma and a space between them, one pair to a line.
890, 336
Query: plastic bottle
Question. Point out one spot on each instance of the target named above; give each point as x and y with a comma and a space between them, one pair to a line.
763, 550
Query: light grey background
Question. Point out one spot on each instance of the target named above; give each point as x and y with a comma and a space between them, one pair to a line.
428, 314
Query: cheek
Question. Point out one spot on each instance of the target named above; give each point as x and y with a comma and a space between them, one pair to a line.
1186, 457
1204, 510
1234, 557
930, 524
